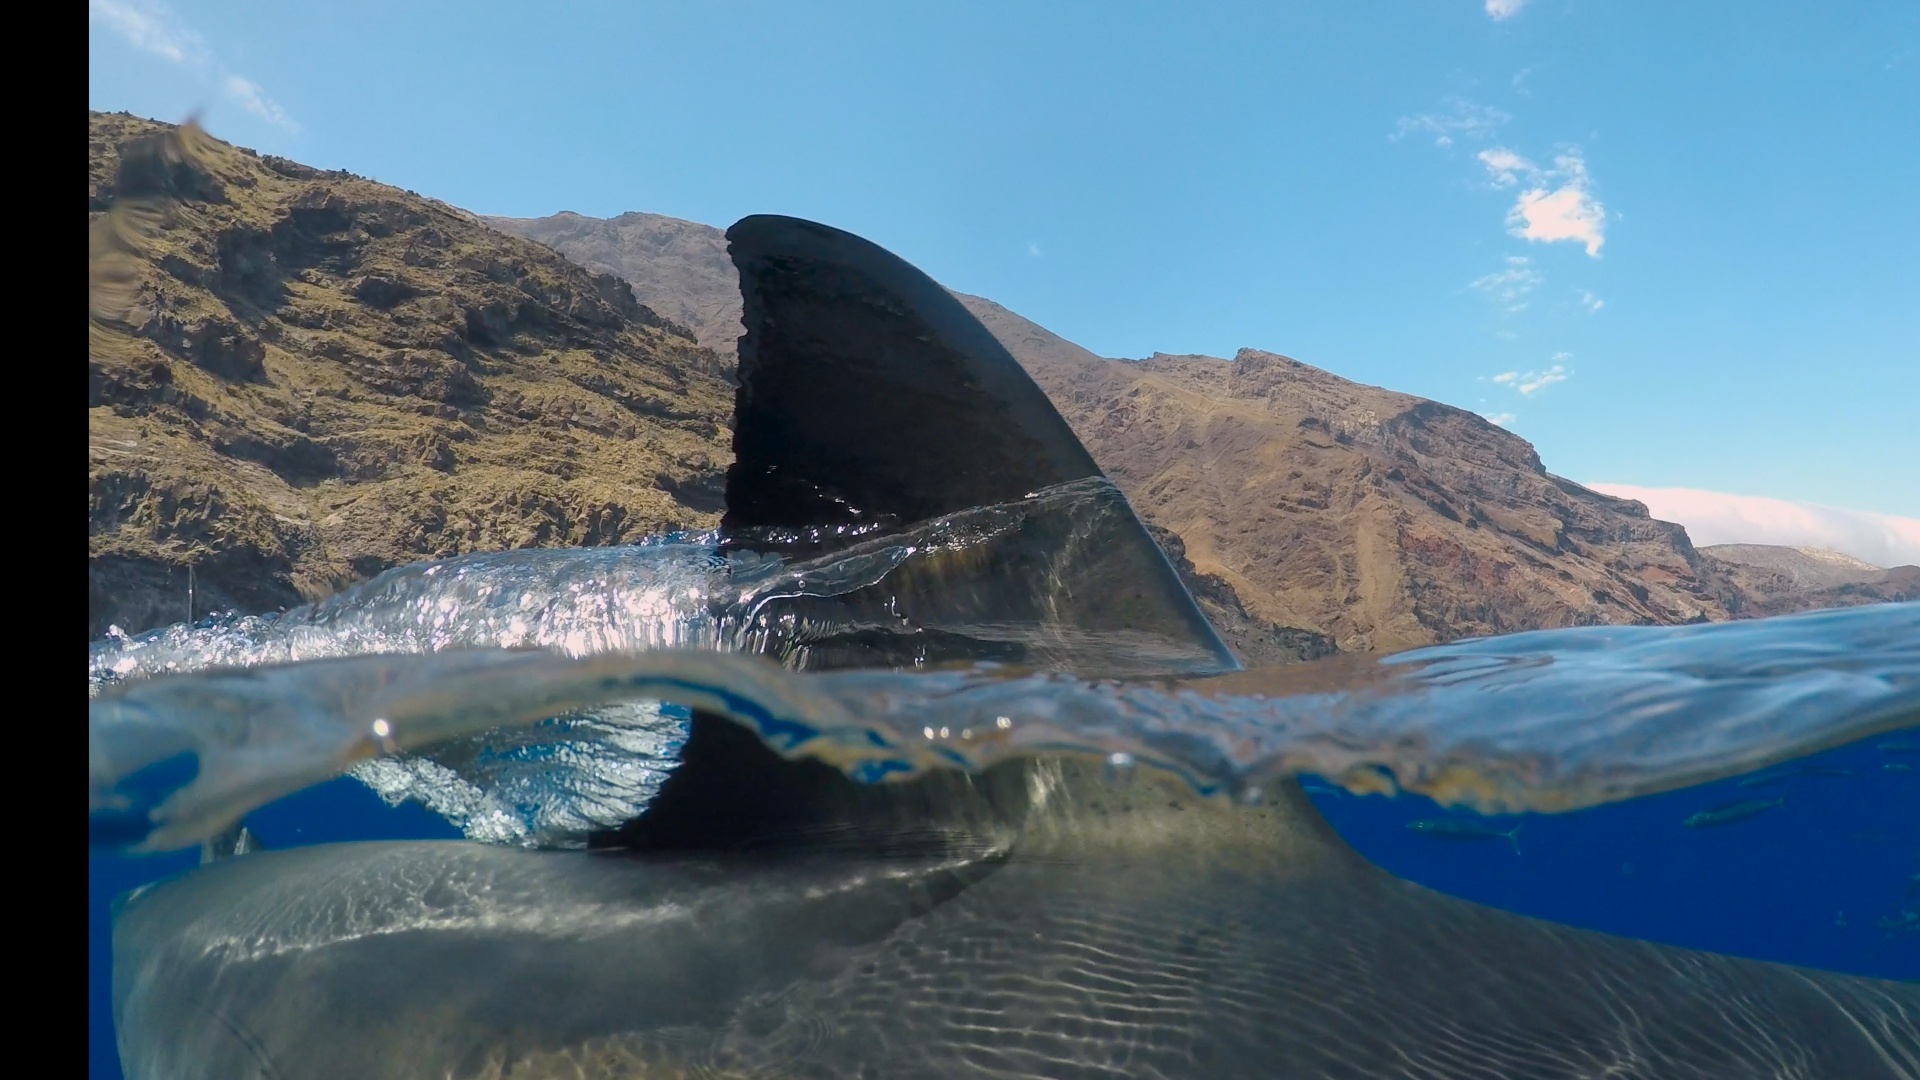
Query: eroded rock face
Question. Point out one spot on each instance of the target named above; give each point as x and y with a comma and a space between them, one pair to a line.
312, 377
1774, 579
1256, 642
1775, 568
680, 268
1379, 519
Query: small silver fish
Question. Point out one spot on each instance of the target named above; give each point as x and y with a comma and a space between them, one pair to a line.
1908, 921
1802, 770
1462, 829
1728, 813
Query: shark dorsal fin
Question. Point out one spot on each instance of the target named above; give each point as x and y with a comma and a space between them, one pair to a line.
870, 401
868, 393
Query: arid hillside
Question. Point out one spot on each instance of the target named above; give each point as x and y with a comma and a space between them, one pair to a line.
299, 378
1775, 579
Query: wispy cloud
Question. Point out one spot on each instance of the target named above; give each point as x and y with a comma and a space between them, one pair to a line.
1033, 249
149, 28
1506, 167
1529, 383
153, 28
1714, 517
250, 97
1460, 119
1555, 203
1590, 301
1532, 383
1501, 419
1509, 287
1500, 10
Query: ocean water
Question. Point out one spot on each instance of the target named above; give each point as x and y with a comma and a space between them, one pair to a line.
1829, 884
518, 699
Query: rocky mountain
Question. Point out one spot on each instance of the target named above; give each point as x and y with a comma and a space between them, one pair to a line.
675, 264
1793, 567
1893, 585
1776, 579
1321, 507
298, 378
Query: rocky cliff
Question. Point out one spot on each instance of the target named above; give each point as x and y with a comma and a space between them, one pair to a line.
1314, 505
1774, 579
298, 378
677, 265
1777, 568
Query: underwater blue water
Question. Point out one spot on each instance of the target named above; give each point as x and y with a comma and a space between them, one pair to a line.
1822, 880
1585, 716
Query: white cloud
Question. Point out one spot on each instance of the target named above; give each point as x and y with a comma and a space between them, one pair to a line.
1713, 517
151, 27
1568, 213
1532, 383
1529, 383
1461, 119
1033, 249
1558, 202
1502, 419
1504, 9
1509, 287
1590, 301
250, 97
1505, 166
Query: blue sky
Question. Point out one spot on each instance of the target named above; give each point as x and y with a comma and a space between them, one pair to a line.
1673, 245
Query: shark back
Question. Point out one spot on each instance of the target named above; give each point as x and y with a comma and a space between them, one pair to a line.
1112, 930
1040, 918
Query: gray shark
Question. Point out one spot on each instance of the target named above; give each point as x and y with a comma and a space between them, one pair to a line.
1044, 917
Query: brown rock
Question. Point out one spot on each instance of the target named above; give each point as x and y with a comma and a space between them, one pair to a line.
1776, 580
298, 378
677, 268
1378, 519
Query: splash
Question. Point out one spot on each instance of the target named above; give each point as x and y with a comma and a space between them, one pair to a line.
693, 592
1545, 721
535, 696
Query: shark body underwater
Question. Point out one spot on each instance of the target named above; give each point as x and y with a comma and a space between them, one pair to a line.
772, 917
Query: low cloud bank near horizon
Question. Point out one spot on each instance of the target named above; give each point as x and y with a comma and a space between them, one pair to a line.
1714, 517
